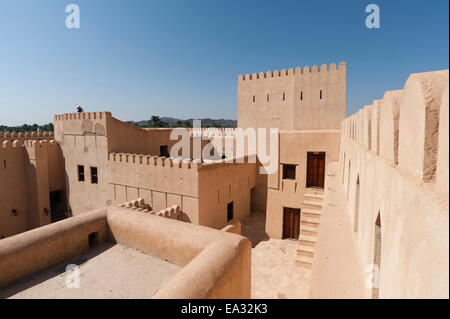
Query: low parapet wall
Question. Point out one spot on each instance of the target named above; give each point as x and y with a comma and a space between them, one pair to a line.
218, 263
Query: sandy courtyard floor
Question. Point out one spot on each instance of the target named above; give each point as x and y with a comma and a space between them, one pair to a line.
106, 271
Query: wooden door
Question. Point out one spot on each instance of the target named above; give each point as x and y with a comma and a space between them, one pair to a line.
291, 223
315, 176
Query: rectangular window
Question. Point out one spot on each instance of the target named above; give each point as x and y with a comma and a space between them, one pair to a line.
80, 173
267, 97
320, 94
230, 211
284, 97
301, 96
164, 151
94, 176
289, 171
253, 99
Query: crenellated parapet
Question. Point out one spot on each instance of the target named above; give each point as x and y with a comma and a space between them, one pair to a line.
22, 136
82, 116
172, 212
407, 127
158, 161
299, 71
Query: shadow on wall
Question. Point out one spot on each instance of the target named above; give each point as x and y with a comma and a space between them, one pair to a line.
53, 271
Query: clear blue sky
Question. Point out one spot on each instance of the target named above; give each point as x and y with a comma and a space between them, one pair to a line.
182, 58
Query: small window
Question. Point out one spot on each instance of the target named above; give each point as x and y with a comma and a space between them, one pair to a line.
320, 94
301, 96
289, 171
254, 99
80, 173
164, 151
284, 96
230, 211
267, 97
93, 239
94, 176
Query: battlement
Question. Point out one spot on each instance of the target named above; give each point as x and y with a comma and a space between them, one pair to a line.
140, 205
150, 160
25, 135
292, 72
82, 116
211, 131
407, 127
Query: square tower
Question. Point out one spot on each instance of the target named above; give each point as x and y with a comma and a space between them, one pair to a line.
300, 99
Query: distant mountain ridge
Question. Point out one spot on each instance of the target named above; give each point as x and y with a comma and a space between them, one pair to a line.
173, 122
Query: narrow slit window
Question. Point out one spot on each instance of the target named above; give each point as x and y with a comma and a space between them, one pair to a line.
4, 164
301, 96
230, 211
94, 175
80, 173
284, 96
253, 99
267, 97
320, 94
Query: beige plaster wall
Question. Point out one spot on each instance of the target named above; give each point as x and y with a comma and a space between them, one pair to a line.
294, 146
414, 217
290, 100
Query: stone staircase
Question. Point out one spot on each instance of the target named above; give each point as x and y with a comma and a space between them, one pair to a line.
309, 227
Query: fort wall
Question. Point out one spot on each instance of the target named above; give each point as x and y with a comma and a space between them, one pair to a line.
394, 182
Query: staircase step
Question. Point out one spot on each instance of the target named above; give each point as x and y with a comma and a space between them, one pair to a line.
307, 253
312, 203
311, 249
304, 258
307, 237
318, 191
303, 264
312, 224
314, 196
311, 215
308, 228
308, 232
309, 243
310, 220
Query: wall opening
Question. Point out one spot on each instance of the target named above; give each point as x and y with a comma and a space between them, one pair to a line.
58, 209
4, 164
377, 258
164, 151
348, 178
267, 97
230, 211
253, 200
289, 171
93, 239
301, 96
356, 219
291, 223
284, 96
315, 170
321, 94
343, 171
80, 173
94, 175
253, 99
